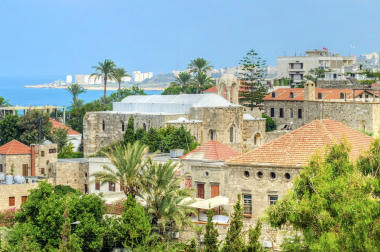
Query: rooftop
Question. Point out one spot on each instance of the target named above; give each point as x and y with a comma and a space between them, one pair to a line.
14, 147
59, 125
211, 151
169, 104
295, 148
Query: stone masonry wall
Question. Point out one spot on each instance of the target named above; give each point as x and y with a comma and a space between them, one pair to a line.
14, 190
15, 161
72, 173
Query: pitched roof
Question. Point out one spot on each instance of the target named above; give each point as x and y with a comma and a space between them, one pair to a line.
211, 151
59, 125
283, 94
212, 89
14, 147
297, 147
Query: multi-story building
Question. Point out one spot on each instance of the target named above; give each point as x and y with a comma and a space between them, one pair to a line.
296, 67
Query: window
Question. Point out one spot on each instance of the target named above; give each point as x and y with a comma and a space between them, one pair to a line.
122, 126
273, 175
1, 168
287, 175
291, 113
246, 174
319, 95
24, 170
97, 185
43, 171
281, 112
53, 150
273, 199
42, 153
271, 112
291, 95
201, 191
366, 96
273, 94
247, 201
214, 190
360, 96
144, 126
104, 125
188, 182
341, 95
24, 199
212, 134
256, 139
11, 201
85, 188
299, 113
111, 187
259, 174
231, 135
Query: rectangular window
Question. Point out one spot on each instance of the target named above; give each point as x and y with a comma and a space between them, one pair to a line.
300, 113
319, 95
271, 112
43, 171
42, 153
97, 185
281, 112
273, 199
247, 201
201, 191
214, 190
1, 168
111, 187
25, 170
11, 201
52, 150
24, 199
291, 113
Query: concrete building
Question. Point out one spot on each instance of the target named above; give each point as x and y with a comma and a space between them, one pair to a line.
69, 79
296, 67
206, 116
73, 136
139, 76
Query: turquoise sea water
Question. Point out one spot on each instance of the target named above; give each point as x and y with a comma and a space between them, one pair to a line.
13, 90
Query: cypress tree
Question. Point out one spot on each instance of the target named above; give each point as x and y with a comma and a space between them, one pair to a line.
253, 238
129, 136
68, 243
234, 241
211, 235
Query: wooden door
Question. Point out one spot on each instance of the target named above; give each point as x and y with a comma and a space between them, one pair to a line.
214, 191
201, 191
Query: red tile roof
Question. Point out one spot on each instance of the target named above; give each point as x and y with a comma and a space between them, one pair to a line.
211, 90
283, 94
59, 125
14, 147
211, 151
297, 147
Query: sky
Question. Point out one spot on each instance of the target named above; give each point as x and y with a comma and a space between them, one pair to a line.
59, 37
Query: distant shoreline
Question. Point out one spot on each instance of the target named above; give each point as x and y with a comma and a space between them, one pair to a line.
88, 87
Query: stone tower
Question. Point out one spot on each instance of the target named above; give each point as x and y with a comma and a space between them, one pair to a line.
309, 91
228, 87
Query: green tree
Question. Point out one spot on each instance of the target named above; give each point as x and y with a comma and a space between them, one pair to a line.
59, 136
163, 196
234, 240
118, 74
34, 127
104, 70
68, 242
3, 102
333, 204
199, 65
129, 136
9, 129
253, 88
173, 89
254, 244
201, 80
192, 247
152, 139
211, 235
183, 79
270, 124
75, 90
128, 161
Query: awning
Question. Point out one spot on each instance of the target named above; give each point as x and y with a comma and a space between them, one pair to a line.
210, 203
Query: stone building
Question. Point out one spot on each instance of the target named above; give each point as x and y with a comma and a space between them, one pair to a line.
12, 196
206, 116
73, 136
294, 107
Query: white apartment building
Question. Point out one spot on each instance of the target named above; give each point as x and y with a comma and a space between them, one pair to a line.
138, 76
69, 79
296, 67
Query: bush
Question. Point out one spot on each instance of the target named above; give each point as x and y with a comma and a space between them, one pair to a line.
7, 218
270, 124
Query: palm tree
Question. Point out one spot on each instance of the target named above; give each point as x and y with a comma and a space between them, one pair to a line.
163, 196
199, 65
104, 70
129, 162
183, 79
201, 79
75, 90
118, 74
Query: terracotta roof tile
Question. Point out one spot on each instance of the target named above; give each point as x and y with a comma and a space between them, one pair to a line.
211, 151
297, 147
212, 89
59, 125
14, 147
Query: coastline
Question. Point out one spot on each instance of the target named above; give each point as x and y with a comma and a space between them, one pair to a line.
89, 87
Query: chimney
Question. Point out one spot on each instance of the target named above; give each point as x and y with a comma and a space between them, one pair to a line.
33, 159
309, 91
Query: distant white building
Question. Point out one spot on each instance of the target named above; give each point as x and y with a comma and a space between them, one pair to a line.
296, 67
69, 79
138, 76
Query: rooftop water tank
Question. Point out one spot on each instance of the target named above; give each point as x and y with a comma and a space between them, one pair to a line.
19, 179
176, 153
9, 179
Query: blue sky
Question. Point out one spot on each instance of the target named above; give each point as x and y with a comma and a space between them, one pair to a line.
59, 37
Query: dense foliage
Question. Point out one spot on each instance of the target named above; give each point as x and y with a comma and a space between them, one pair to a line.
211, 235
270, 124
333, 204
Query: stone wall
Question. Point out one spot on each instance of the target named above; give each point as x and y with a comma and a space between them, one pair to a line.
46, 156
71, 172
254, 134
15, 190
17, 162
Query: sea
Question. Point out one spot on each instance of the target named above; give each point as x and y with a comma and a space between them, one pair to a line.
13, 90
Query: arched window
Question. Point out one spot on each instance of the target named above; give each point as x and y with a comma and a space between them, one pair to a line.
104, 125
256, 139
231, 134
144, 126
341, 95
291, 95
122, 126
212, 134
